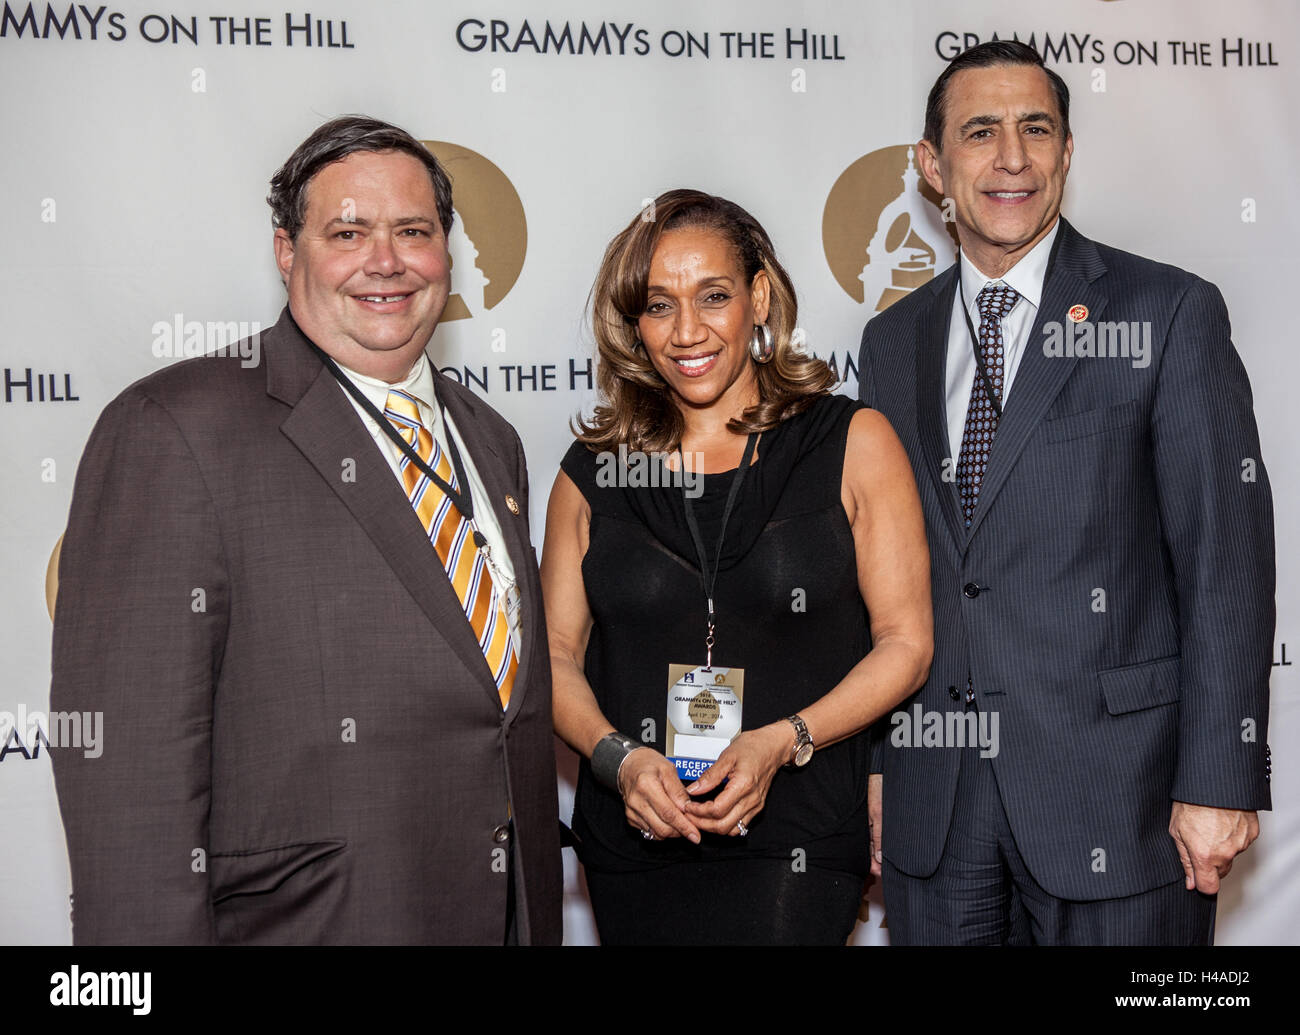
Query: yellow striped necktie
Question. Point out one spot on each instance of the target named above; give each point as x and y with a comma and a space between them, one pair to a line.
452, 537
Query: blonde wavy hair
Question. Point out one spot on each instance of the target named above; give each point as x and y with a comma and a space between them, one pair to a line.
636, 406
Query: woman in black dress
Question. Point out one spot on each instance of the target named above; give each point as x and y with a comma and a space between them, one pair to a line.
734, 558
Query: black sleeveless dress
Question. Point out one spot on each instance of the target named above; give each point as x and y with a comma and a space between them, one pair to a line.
789, 612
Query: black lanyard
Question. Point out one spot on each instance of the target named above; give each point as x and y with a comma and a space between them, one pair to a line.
462, 499
974, 338
709, 573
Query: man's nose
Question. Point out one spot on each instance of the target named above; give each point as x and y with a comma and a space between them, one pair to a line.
383, 257
1012, 155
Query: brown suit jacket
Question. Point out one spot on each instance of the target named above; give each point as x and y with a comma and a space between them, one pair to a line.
302, 742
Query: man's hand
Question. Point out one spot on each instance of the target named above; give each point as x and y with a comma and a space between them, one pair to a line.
1208, 839
875, 792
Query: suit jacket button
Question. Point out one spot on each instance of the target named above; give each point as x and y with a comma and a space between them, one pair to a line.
954, 693
971, 590
501, 834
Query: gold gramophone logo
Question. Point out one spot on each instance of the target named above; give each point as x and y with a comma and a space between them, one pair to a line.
883, 230
489, 235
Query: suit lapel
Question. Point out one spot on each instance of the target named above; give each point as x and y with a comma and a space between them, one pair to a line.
931, 402
326, 429
1040, 378
498, 478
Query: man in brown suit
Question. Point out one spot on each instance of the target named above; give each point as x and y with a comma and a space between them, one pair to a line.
317, 641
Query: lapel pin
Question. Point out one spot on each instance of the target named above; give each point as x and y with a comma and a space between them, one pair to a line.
512, 504
1078, 313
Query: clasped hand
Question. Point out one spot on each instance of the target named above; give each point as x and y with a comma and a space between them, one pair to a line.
655, 799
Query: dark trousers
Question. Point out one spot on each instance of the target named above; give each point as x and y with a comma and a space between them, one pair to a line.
983, 894
726, 902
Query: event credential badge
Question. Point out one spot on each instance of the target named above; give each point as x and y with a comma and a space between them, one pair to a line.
704, 714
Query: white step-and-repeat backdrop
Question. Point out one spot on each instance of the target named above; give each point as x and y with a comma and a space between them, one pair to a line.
139, 138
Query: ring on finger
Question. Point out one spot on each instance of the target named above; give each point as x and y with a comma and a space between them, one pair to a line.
744, 830
647, 835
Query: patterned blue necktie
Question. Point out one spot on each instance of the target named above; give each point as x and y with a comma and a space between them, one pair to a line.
995, 302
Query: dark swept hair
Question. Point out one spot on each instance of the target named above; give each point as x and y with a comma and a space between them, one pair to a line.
987, 55
334, 141
636, 407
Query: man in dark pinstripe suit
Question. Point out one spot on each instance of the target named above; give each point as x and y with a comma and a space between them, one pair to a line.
1088, 754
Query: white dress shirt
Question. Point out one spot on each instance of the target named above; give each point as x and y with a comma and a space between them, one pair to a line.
1026, 277
419, 384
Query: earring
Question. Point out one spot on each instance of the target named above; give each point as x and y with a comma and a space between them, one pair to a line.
761, 346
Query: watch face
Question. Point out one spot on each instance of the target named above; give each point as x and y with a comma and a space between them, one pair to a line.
802, 755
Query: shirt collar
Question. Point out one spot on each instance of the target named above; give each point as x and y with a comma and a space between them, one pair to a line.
418, 383
1026, 277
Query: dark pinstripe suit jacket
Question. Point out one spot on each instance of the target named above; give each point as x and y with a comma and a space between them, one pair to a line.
313, 750
1113, 600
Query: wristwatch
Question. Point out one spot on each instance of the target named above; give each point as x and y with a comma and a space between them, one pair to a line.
803, 745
